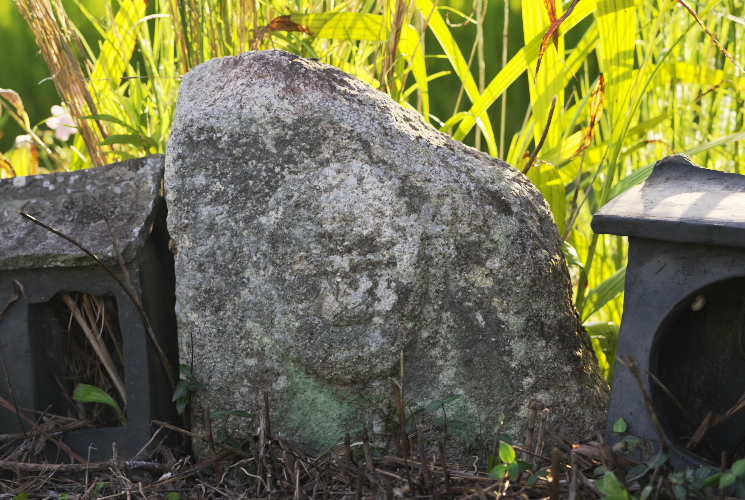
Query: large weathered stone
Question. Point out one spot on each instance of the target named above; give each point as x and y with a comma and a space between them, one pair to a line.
322, 229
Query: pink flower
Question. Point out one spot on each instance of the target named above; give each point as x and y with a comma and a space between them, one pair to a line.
62, 123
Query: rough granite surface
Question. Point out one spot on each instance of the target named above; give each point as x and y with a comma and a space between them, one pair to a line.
321, 229
75, 203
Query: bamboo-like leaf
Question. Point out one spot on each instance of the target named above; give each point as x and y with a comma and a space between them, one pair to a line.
711, 35
132, 139
548, 181
605, 329
110, 119
91, 394
604, 293
460, 65
617, 27
118, 47
6, 169
24, 158
549, 82
516, 67
566, 149
696, 73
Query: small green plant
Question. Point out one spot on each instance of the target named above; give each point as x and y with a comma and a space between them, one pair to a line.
99, 488
185, 387
691, 483
417, 410
91, 394
506, 463
222, 432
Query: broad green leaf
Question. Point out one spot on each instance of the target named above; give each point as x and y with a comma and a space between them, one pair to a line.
620, 425
611, 487
517, 467
222, 435
738, 468
435, 405
91, 394
450, 398
506, 453
499, 471
180, 391
727, 479
181, 404
646, 492
657, 460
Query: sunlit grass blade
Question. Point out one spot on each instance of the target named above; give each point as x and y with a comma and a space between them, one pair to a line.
370, 27
549, 82
617, 27
460, 65
519, 63
548, 181
641, 174
604, 293
118, 46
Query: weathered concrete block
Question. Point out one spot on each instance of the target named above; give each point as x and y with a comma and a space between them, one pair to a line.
322, 229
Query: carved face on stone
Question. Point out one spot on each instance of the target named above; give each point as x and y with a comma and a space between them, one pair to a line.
340, 249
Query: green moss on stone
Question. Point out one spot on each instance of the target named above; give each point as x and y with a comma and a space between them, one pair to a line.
316, 411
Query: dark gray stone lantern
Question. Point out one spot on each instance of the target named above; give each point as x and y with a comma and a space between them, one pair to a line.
36, 339
684, 307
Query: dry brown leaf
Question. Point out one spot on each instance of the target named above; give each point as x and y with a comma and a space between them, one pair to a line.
5, 165
596, 112
553, 33
285, 23
12, 97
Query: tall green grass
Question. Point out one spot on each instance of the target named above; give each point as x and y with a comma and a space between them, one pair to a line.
665, 87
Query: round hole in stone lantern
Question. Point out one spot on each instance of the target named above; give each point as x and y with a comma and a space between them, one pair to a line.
699, 359
683, 309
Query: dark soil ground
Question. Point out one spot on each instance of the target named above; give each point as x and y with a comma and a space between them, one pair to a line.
270, 467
